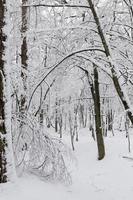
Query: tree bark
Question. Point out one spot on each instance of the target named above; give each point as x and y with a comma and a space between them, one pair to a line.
5, 120
3, 142
24, 59
96, 98
98, 124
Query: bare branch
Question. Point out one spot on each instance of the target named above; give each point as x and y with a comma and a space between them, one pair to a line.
56, 6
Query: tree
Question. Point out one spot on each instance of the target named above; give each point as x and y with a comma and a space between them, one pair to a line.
115, 72
94, 87
24, 58
5, 121
97, 108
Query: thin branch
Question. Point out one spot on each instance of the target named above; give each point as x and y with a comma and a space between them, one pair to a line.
45, 96
56, 6
130, 158
96, 64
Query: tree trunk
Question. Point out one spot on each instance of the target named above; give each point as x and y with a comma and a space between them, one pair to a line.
114, 71
56, 116
5, 121
96, 98
24, 59
99, 133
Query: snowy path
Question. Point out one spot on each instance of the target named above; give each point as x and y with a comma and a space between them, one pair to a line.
110, 179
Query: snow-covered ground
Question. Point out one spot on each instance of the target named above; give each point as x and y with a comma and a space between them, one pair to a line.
109, 179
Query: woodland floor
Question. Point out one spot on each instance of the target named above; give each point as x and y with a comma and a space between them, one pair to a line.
109, 179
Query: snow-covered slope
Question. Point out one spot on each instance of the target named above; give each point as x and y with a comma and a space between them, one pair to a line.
109, 179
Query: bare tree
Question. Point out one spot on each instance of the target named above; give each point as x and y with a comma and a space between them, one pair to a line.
97, 108
114, 70
94, 87
5, 130
24, 58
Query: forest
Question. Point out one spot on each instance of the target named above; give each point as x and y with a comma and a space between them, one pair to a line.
66, 101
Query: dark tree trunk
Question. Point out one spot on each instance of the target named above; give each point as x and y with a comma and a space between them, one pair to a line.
41, 117
3, 142
56, 116
96, 98
99, 133
24, 59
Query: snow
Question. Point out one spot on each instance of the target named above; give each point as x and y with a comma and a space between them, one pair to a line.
109, 179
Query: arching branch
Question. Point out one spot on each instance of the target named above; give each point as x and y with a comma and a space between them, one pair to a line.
47, 91
56, 65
